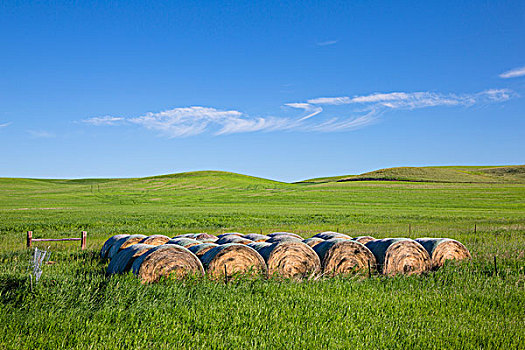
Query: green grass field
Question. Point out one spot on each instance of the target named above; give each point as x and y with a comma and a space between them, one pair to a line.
75, 306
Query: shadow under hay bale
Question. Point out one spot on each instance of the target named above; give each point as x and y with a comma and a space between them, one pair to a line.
400, 256
273, 234
331, 235
233, 258
341, 256
124, 259
168, 260
201, 249
442, 249
255, 237
155, 240
283, 238
289, 259
230, 234
123, 243
109, 243
313, 241
184, 242
232, 239
363, 239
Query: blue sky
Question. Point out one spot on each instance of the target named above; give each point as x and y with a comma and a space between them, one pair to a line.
280, 90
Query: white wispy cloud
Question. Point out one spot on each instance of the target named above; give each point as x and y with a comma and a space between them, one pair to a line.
4, 125
104, 120
513, 73
327, 43
41, 134
351, 113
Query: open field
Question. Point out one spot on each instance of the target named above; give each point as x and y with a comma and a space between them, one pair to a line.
473, 305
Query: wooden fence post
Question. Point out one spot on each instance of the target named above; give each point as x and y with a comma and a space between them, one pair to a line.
29, 238
83, 240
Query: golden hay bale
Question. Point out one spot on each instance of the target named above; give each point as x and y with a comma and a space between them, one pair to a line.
166, 260
341, 256
233, 258
109, 243
400, 255
201, 249
255, 237
184, 242
124, 259
123, 243
289, 259
331, 235
230, 234
205, 237
441, 249
284, 233
313, 241
232, 239
155, 240
283, 238
363, 239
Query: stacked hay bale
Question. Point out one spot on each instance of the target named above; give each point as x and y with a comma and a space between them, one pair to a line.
155, 240
184, 242
442, 249
124, 259
400, 255
342, 256
123, 243
227, 260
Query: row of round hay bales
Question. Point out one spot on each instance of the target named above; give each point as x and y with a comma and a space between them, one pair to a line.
278, 254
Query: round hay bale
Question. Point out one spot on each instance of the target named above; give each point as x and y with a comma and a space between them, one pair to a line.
313, 241
185, 235
341, 256
108, 243
285, 233
184, 242
232, 239
400, 255
233, 258
124, 259
255, 237
442, 249
363, 239
166, 260
331, 235
155, 240
123, 243
230, 234
201, 249
283, 238
205, 237
289, 259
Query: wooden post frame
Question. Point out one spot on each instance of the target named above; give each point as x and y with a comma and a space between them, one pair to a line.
30, 239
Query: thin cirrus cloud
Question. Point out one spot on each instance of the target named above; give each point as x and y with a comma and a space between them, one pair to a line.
513, 73
4, 125
327, 43
352, 113
41, 134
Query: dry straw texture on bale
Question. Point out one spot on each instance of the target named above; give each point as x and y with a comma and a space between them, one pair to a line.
123, 243
289, 259
201, 249
255, 237
400, 255
283, 238
313, 241
442, 249
285, 233
155, 240
233, 258
341, 256
204, 237
169, 260
363, 239
184, 242
109, 243
230, 234
331, 235
124, 259
232, 239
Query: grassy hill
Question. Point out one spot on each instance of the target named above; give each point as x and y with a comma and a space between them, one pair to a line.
447, 174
